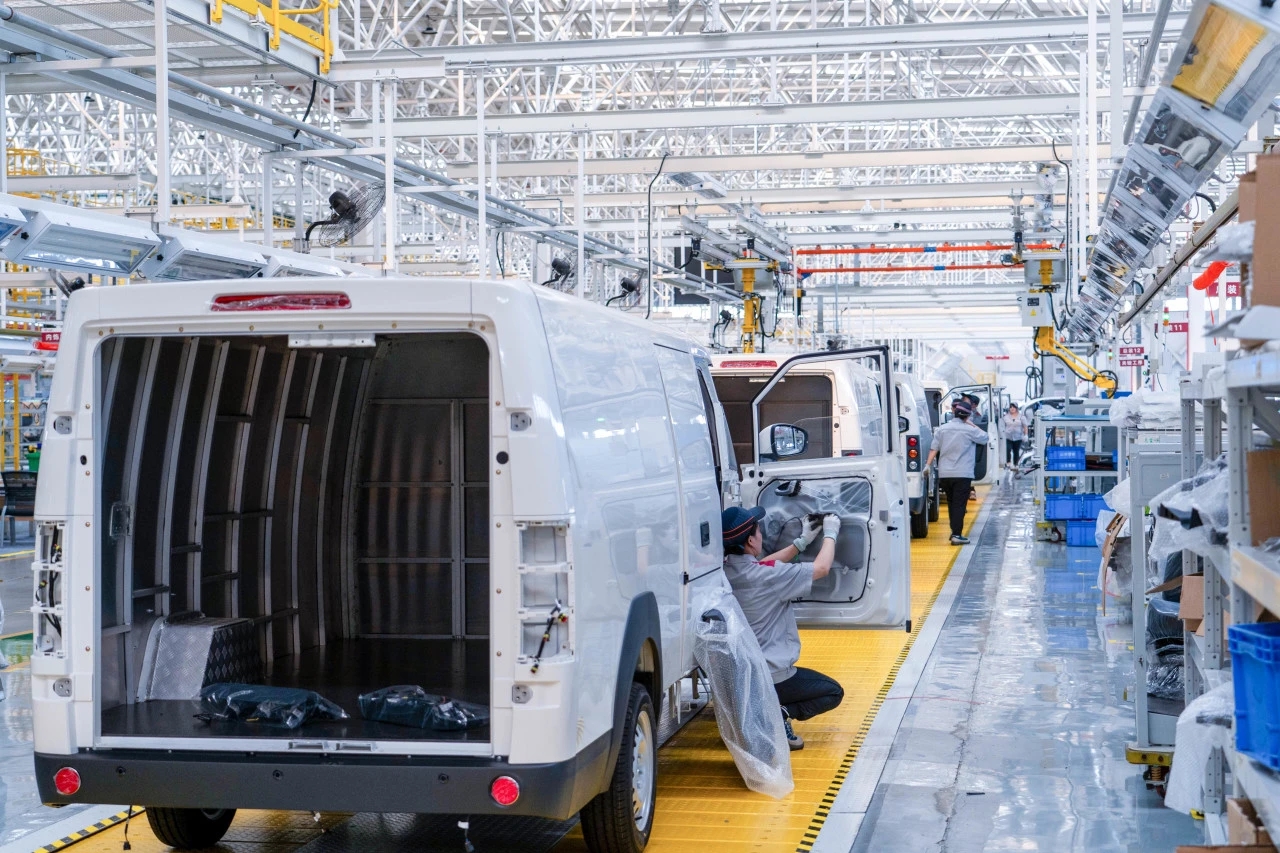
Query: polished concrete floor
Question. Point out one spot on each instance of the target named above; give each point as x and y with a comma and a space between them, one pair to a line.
1015, 738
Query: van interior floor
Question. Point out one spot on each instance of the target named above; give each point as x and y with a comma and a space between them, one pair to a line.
1019, 621
339, 671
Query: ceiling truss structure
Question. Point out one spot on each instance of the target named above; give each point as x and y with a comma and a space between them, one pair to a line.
841, 122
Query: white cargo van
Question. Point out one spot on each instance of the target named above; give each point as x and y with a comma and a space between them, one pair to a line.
985, 415
917, 440
343, 485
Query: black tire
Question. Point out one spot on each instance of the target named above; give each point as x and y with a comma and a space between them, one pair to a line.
190, 829
934, 507
610, 823
920, 522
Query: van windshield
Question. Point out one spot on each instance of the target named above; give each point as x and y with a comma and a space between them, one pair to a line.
799, 399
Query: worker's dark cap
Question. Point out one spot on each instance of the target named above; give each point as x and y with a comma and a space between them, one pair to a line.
737, 524
962, 408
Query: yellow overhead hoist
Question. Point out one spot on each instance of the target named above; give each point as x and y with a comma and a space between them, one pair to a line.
1038, 306
747, 272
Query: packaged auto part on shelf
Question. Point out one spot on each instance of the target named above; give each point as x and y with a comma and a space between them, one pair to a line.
1147, 410
290, 707
1204, 725
1118, 500
745, 703
410, 705
1165, 651
1193, 515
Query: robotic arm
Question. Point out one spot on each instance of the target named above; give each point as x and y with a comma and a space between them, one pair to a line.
1047, 344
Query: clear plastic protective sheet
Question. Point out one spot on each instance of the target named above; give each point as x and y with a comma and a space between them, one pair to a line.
1203, 726
289, 707
410, 705
1194, 515
1119, 499
1235, 243
787, 504
745, 703
1147, 410
1116, 582
1165, 672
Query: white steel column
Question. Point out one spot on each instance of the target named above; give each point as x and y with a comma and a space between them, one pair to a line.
268, 201
391, 261
1116, 82
482, 200
299, 227
4, 130
162, 112
580, 218
1091, 126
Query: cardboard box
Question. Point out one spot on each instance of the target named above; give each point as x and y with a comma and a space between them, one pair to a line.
1243, 824
1247, 194
1191, 605
1262, 475
1264, 272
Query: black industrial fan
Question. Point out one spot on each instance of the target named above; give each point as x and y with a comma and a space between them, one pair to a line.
352, 213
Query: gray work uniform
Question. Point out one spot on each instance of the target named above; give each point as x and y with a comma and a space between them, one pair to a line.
957, 444
1014, 427
765, 592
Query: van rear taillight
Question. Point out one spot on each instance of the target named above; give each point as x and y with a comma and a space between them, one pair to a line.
281, 302
505, 791
66, 781
913, 453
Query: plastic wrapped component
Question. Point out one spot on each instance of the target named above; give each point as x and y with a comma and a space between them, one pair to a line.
1193, 515
290, 707
1204, 725
1147, 409
410, 705
1235, 243
1164, 671
1119, 497
787, 503
745, 703
1163, 624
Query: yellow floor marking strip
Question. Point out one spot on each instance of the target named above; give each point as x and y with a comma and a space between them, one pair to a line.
257, 831
702, 803
26, 553
80, 835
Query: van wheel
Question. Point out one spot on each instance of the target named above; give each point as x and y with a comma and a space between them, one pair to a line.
934, 507
920, 523
190, 829
619, 819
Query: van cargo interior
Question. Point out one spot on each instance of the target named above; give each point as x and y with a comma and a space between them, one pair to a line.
292, 517
800, 399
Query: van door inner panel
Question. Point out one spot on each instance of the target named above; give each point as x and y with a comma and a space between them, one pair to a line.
787, 503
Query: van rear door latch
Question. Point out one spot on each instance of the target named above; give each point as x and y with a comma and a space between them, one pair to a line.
121, 520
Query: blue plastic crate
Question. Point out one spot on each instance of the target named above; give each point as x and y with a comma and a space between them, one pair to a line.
1255, 665
1080, 534
1091, 506
1061, 507
1064, 458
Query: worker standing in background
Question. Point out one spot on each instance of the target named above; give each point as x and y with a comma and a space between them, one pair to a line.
1013, 427
955, 447
765, 587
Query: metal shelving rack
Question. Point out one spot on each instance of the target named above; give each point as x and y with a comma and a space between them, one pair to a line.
1094, 425
1252, 384
1207, 664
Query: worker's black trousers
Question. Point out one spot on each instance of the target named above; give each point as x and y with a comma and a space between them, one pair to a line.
957, 491
808, 693
1014, 451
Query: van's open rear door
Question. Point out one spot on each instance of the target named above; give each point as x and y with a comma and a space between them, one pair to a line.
985, 415
870, 584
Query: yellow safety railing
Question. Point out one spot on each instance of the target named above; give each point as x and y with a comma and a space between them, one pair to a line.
282, 21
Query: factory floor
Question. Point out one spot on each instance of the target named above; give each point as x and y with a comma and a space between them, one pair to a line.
999, 723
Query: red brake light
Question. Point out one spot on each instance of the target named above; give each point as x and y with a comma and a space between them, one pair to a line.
913, 441
505, 791
756, 363
66, 781
281, 302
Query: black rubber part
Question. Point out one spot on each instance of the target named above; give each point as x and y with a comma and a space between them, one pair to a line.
920, 524
608, 822
189, 829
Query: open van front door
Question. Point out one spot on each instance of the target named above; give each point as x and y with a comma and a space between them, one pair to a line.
870, 583
985, 415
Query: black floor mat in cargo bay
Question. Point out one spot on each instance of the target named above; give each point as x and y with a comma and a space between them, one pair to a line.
385, 833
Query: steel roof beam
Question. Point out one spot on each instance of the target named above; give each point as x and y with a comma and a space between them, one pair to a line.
436, 61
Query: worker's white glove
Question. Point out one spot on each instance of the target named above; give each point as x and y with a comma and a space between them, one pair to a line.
812, 527
830, 526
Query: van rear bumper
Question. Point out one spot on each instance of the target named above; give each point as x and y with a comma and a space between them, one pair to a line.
325, 783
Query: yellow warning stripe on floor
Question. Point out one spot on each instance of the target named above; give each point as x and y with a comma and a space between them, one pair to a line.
703, 804
81, 835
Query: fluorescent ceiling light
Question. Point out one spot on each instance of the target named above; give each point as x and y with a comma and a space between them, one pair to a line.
187, 256
703, 185
102, 245
11, 219
295, 264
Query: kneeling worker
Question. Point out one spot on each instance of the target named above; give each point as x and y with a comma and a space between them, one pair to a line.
766, 588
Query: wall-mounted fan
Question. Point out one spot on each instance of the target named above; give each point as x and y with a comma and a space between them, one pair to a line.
352, 213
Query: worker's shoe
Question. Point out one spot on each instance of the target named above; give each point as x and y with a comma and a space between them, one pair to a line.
959, 540
793, 740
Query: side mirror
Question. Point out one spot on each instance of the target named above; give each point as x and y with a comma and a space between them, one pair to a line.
903, 424
779, 441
